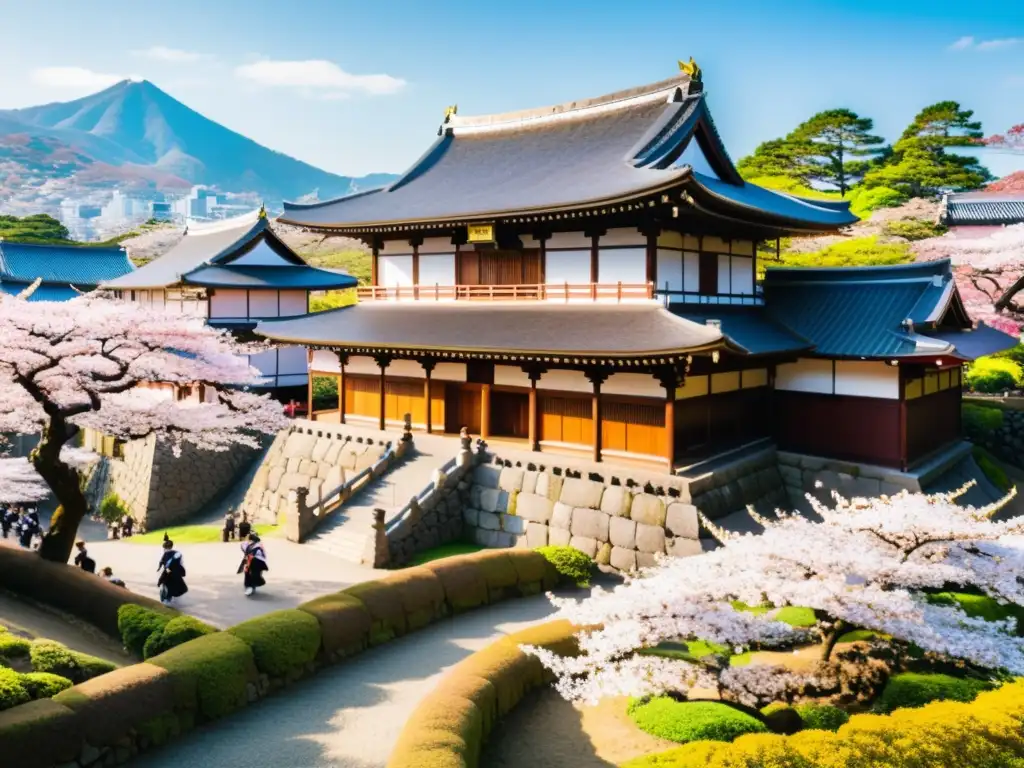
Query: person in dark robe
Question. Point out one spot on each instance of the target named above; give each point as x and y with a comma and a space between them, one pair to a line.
108, 574
28, 527
6, 520
254, 564
244, 528
172, 573
82, 559
127, 524
229, 525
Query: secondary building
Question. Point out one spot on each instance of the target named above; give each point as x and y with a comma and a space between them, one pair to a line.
584, 278
64, 271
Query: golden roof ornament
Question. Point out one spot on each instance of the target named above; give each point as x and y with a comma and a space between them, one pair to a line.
690, 68
450, 112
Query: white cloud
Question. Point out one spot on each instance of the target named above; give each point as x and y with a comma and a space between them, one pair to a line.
75, 79
324, 79
969, 42
171, 55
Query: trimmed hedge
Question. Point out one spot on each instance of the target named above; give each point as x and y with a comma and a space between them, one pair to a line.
178, 630
685, 721
499, 572
914, 689
44, 685
421, 595
464, 583
823, 717
573, 566
136, 624
39, 734
282, 642
345, 623
13, 647
12, 690
57, 659
387, 616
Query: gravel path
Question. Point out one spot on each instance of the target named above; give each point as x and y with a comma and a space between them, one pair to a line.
350, 715
42, 623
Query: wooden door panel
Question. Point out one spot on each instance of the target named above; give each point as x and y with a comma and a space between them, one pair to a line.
510, 414
362, 396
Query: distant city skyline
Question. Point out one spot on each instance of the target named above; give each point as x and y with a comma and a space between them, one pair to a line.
355, 88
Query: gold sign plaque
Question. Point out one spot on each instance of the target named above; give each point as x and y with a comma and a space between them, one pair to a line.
481, 233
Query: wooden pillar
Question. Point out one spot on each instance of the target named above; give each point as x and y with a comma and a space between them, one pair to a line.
342, 360
652, 257
533, 428
670, 377
904, 459
428, 368
416, 242
485, 411
309, 384
374, 274
383, 362
594, 255
597, 377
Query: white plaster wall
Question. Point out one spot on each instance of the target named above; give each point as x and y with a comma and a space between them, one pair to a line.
408, 368
294, 303
691, 272
227, 302
867, 378
291, 360
325, 360
436, 245
262, 255
694, 157
437, 269
622, 236
625, 265
568, 240
510, 376
670, 270
529, 241
263, 304
156, 300
449, 372
266, 362
805, 375
567, 381
670, 240
742, 275
394, 270
571, 267
361, 364
636, 384
724, 274
394, 247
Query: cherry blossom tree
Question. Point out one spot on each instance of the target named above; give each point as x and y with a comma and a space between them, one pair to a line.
70, 365
865, 563
20, 483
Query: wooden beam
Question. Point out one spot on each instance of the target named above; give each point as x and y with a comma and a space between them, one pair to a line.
903, 418
309, 384
594, 251
670, 431
374, 274
416, 266
383, 361
597, 377
534, 373
428, 368
485, 411
342, 361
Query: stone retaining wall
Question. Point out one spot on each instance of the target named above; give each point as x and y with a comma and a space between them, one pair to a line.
434, 518
819, 477
1006, 442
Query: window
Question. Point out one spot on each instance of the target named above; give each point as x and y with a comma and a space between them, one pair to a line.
708, 273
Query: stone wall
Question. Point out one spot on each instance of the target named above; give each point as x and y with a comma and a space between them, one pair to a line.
311, 455
819, 477
434, 518
1006, 441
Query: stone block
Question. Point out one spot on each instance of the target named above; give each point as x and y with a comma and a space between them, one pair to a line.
536, 535
299, 444
590, 523
522, 543
485, 537
650, 538
511, 479
577, 492
867, 487
646, 560
622, 532
889, 489
471, 516
530, 481
648, 509
531, 506
623, 559
505, 540
487, 475
585, 545
549, 485
493, 500
680, 547
334, 451
561, 516
320, 448
274, 478
604, 554
489, 520
558, 537
308, 468
293, 464
615, 501
513, 524
681, 521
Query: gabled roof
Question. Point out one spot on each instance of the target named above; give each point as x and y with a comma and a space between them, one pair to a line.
750, 329
42, 293
627, 147
869, 312
984, 209
242, 252
61, 265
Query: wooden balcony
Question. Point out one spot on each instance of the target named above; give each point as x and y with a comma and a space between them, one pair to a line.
565, 292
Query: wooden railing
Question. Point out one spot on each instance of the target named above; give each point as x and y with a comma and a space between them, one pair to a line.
612, 292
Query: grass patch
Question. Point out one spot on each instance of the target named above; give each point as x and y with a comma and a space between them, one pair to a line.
913, 689
692, 651
356, 263
981, 607
687, 721
196, 534
793, 615
445, 550
572, 565
56, 659
855, 252
992, 469
859, 635
322, 302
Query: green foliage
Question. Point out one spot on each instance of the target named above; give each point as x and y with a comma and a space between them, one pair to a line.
325, 393
57, 659
994, 374
822, 717
778, 159
914, 689
112, 508
43, 685
40, 228
796, 616
941, 125
321, 302
444, 550
13, 647
1013, 353
914, 229
864, 200
572, 565
691, 720
858, 636
136, 624
981, 607
12, 689
356, 263
694, 650
792, 186
195, 534
980, 421
991, 468
282, 642
856, 252
178, 630
829, 145
216, 668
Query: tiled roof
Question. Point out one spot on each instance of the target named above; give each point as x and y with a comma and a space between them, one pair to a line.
82, 266
750, 329
309, 278
602, 151
41, 293
975, 209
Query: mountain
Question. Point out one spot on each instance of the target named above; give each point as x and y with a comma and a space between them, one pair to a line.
136, 133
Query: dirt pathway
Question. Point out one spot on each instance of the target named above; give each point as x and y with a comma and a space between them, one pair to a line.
43, 623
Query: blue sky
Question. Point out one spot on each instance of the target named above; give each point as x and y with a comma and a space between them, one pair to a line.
357, 87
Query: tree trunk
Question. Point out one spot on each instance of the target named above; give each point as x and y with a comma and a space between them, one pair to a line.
831, 637
65, 484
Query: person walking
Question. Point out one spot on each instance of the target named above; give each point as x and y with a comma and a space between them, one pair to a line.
172, 573
127, 525
28, 527
229, 525
254, 564
244, 528
82, 559
7, 518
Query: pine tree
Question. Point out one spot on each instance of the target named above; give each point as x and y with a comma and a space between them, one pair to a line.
835, 146
774, 158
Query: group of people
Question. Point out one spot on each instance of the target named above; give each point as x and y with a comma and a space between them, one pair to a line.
172, 566
122, 529
87, 564
230, 529
23, 522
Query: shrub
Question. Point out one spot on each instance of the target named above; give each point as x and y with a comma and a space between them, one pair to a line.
533, 570
282, 642
48, 656
499, 573
43, 685
914, 229
421, 595
691, 720
112, 508
863, 200
385, 607
796, 616
12, 689
980, 421
855, 252
914, 689
13, 647
465, 586
994, 374
137, 624
178, 630
822, 717
344, 622
572, 565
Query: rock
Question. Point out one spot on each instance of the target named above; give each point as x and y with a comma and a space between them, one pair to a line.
648, 509
623, 559
549, 485
681, 547
590, 523
604, 554
561, 516
89, 755
585, 545
581, 493
558, 537
251, 692
320, 448
615, 501
493, 500
513, 524
646, 560
486, 475
650, 538
536, 535
530, 481
681, 520
622, 532
489, 521
510, 479
299, 444
484, 537
532, 506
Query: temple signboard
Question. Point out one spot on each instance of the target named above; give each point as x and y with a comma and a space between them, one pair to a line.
481, 233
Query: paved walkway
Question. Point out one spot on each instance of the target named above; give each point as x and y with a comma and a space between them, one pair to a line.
350, 715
